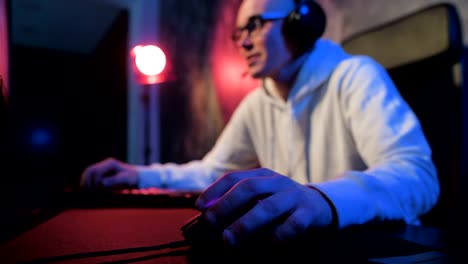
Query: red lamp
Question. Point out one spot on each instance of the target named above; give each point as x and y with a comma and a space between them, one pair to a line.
149, 64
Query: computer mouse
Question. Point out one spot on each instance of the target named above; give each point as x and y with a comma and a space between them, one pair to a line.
197, 231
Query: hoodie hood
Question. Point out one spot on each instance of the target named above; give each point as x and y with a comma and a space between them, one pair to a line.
317, 68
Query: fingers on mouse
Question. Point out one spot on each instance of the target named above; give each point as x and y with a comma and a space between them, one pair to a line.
196, 230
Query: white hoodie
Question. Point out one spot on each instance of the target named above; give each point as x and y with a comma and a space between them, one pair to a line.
344, 129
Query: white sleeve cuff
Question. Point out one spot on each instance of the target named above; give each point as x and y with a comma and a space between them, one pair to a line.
149, 177
351, 202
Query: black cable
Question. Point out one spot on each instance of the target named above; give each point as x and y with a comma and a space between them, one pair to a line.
174, 244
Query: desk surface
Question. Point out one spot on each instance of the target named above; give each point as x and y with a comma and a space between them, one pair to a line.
78, 232
144, 235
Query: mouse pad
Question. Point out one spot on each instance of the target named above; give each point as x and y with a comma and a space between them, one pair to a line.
102, 235
153, 235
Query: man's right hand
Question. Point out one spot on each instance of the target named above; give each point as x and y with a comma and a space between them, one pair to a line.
110, 173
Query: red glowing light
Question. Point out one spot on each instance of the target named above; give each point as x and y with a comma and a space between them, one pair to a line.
150, 60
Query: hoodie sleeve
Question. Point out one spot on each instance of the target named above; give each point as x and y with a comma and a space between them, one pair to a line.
232, 151
401, 180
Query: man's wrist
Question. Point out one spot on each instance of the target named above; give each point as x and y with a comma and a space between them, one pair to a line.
334, 224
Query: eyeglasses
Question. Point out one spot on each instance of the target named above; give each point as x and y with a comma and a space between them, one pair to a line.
254, 24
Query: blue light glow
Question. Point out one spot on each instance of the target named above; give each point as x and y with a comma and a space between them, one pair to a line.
40, 137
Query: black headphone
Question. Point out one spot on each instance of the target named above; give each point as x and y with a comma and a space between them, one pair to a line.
303, 26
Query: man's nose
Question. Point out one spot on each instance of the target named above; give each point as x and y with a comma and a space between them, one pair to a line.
246, 43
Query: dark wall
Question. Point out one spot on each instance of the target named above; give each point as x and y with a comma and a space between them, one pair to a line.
68, 110
188, 109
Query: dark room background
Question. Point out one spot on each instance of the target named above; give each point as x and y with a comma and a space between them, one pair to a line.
67, 108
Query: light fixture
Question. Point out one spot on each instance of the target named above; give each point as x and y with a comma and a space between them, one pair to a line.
149, 63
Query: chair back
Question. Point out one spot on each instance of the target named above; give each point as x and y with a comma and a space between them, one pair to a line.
424, 54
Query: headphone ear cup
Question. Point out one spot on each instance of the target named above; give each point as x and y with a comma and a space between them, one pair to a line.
303, 26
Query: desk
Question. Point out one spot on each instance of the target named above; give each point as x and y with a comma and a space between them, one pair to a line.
143, 235
77, 232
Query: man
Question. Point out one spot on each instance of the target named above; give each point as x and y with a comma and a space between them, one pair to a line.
327, 141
